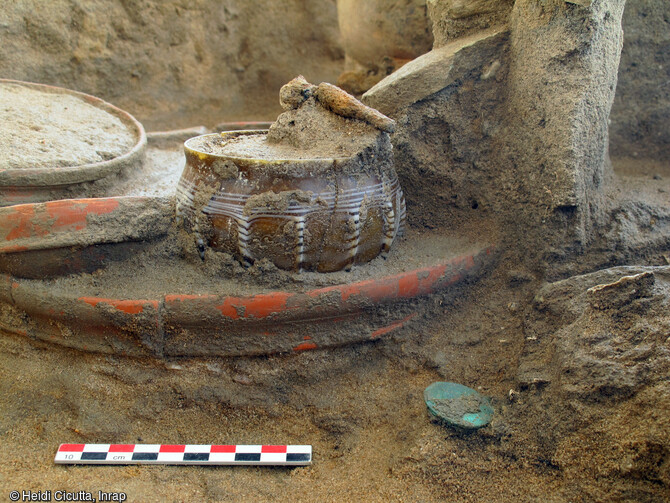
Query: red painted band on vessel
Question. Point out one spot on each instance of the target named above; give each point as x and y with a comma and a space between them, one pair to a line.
32, 222
175, 323
393, 326
127, 306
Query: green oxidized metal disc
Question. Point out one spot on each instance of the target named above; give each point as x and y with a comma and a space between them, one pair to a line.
458, 405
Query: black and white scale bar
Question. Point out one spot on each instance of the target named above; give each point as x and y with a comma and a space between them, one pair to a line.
184, 454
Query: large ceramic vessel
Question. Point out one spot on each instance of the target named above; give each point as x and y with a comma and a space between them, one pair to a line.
302, 214
373, 30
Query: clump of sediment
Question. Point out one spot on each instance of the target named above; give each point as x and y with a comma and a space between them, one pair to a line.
320, 121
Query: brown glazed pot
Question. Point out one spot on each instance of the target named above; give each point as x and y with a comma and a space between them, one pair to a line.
302, 214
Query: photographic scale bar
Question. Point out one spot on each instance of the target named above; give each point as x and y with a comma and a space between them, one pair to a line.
184, 454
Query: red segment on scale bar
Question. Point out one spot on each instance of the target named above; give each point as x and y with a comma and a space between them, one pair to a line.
71, 448
121, 448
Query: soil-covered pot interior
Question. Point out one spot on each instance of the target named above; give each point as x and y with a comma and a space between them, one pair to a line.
59, 143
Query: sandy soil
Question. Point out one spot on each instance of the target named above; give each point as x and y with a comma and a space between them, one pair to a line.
360, 407
172, 64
